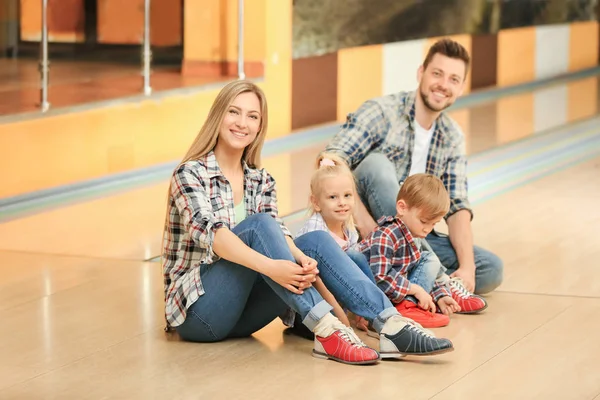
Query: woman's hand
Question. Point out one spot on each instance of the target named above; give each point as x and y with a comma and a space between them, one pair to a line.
290, 275
308, 264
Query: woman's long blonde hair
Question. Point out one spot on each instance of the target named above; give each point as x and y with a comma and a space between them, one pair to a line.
206, 140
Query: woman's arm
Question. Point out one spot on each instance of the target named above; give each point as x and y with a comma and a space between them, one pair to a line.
191, 197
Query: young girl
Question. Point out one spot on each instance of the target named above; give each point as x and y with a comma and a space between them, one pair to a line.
332, 196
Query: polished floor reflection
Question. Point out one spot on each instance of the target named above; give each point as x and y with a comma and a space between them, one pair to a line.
82, 311
79, 83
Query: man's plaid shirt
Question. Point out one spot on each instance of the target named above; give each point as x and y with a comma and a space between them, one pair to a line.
386, 125
200, 202
392, 253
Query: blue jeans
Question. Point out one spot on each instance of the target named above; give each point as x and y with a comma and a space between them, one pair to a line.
425, 273
361, 261
239, 301
378, 187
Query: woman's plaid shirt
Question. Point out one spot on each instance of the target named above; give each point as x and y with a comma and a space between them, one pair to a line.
200, 202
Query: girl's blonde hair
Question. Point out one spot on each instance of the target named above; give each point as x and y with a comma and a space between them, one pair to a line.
327, 166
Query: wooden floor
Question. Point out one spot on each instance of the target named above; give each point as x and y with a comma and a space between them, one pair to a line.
82, 313
82, 82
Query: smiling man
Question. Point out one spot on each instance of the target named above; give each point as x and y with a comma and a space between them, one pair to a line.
392, 137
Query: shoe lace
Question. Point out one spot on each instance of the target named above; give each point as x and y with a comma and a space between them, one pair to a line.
415, 326
348, 334
456, 285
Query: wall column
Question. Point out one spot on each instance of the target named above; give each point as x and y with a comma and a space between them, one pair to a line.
210, 38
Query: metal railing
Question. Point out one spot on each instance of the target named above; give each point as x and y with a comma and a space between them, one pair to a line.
241, 73
146, 52
44, 63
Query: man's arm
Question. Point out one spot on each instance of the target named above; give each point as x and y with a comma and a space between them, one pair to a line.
362, 219
461, 237
460, 215
362, 132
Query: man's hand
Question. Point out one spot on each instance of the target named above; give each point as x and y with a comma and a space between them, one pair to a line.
467, 274
461, 238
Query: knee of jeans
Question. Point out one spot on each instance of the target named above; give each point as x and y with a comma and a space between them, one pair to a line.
493, 276
355, 254
263, 222
317, 237
431, 264
376, 166
196, 330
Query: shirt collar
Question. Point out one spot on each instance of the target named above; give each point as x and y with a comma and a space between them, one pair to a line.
214, 170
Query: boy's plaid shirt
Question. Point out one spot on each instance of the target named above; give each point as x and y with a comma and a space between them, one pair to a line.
392, 253
386, 125
200, 202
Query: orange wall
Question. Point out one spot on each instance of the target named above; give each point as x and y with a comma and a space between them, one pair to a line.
516, 56
211, 36
583, 45
65, 20
360, 77
119, 22
122, 22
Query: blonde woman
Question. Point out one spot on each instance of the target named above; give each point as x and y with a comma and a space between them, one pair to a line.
231, 266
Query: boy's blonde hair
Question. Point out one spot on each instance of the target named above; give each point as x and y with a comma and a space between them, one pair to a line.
329, 165
427, 193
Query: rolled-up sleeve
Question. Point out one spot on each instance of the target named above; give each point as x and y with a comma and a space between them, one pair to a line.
192, 201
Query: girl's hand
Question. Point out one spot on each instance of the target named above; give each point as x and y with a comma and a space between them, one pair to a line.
289, 275
308, 264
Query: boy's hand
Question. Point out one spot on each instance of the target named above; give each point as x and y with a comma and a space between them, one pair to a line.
448, 305
425, 300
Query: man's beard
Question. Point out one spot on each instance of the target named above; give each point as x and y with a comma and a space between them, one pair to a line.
429, 105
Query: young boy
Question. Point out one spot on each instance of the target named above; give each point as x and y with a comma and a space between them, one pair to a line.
405, 267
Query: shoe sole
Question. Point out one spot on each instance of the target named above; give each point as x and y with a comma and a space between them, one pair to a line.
400, 355
317, 354
472, 312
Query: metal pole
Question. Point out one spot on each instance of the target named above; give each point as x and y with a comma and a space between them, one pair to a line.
146, 51
44, 64
241, 73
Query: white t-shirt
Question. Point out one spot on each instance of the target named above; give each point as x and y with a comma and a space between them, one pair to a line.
421, 149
